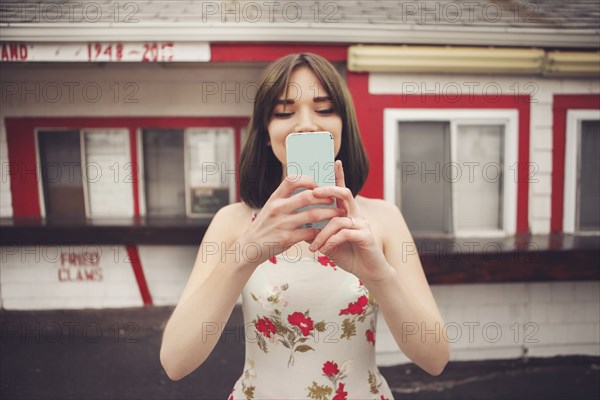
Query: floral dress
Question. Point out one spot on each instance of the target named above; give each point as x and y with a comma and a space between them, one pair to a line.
310, 333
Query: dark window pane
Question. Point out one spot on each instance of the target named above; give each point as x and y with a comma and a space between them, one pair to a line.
425, 199
60, 157
164, 172
589, 177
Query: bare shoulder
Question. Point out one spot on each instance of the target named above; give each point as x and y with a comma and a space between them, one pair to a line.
235, 211
386, 219
230, 220
382, 216
377, 210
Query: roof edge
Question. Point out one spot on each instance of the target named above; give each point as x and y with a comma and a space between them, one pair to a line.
316, 33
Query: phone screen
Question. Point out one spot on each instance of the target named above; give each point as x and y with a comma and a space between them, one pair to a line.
312, 154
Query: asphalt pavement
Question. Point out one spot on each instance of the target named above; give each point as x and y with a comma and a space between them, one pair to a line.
113, 354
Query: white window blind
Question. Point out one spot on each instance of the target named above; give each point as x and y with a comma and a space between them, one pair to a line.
478, 188
108, 173
210, 169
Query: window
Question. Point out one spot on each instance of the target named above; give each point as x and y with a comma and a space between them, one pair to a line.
210, 170
60, 169
164, 176
89, 173
188, 171
108, 173
451, 171
582, 169
85, 173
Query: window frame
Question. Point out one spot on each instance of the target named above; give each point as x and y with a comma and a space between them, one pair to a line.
571, 184
83, 156
509, 118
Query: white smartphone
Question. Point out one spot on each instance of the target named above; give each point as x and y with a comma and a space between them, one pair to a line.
312, 154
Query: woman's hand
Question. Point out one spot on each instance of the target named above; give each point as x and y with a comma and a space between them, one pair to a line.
347, 239
278, 226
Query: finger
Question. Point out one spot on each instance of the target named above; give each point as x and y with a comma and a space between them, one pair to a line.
314, 215
346, 235
334, 226
293, 182
340, 179
302, 199
341, 193
302, 234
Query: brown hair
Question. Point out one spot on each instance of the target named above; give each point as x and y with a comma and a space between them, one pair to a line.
260, 171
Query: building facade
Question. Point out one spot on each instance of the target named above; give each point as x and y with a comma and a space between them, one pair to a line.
121, 128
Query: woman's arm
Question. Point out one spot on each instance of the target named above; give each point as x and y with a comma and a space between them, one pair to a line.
405, 298
219, 275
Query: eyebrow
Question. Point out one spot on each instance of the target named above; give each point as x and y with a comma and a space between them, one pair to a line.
320, 99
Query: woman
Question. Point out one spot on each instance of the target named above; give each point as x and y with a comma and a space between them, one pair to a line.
310, 298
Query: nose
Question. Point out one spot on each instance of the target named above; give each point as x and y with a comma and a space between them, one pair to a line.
305, 122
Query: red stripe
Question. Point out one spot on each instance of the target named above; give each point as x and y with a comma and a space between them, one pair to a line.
561, 104
523, 166
559, 129
254, 52
371, 128
30, 123
138, 271
22, 164
134, 171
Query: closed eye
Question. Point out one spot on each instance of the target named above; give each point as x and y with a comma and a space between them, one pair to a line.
326, 111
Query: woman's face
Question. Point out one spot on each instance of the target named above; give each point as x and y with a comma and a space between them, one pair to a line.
308, 108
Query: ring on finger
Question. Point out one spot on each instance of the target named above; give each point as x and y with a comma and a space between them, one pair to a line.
352, 220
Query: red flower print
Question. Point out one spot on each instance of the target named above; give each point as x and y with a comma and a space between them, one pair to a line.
231, 395
339, 393
265, 326
325, 261
273, 260
357, 307
383, 398
304, 323
330, 368
370, 336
